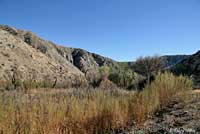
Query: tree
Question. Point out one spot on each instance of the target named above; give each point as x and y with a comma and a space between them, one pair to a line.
149, 66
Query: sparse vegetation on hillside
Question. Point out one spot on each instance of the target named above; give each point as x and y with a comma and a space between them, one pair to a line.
85, 111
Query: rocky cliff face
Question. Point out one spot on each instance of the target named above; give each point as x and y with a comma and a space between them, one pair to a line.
85, 60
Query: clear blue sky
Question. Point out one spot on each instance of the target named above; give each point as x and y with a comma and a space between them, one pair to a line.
119, 29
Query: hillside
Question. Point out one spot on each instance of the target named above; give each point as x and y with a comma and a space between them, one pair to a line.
172, 60
169, 60
32, 56
16, 56
190, 67
35, 57
80, 58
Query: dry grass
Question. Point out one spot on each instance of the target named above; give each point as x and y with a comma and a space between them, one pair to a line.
157, 95
73, 112
84, 111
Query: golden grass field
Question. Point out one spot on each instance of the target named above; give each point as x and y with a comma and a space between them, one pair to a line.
86, 111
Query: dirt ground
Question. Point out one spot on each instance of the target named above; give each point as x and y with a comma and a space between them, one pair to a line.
176, 118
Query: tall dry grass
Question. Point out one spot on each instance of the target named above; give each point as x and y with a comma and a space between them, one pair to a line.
85, 111
159, 93
75, 112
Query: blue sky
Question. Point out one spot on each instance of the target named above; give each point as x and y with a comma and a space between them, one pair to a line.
119, 29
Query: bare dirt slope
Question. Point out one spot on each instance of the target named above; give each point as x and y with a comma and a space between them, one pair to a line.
16, 54
79, 58
35, 57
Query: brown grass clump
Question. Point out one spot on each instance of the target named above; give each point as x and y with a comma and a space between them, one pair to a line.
159, 93
85, 111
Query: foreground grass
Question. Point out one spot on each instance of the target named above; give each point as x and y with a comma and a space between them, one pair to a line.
84, 111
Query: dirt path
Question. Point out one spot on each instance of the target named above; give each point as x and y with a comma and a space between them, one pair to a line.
176, 118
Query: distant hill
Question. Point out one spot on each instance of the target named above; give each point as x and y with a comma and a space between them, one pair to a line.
172, 60
189, 66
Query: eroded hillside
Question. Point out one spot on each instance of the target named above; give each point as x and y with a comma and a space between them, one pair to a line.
16, 56
80, 58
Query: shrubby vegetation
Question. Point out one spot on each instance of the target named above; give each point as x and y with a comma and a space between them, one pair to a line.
134, 77
124, 76
16, 81
86, 111
149, 66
